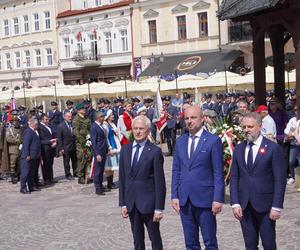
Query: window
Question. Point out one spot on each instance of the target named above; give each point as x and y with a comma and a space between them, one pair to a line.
26, 24
16, 26
203, 25
38, 59
85, 4
93, 39
49, 56
27, 58
8, 61
36, 22
97, 2
108, 43
47, 20
0, 62
124, 40
67, 47
181, 25
18, 59
79, 46
152, 31
6, 27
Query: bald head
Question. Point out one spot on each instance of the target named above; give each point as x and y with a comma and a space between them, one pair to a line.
193, 119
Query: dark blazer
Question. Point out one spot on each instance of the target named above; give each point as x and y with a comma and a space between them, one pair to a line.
45, 137
99, 141
171, 121
200, 178
146, 188
55, 118
66, 140
31, 145
264, 185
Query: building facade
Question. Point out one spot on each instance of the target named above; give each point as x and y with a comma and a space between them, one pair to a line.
94, 40
28, 41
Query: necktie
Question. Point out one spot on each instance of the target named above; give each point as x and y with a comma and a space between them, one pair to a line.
135, 158
250, 156
70, 127
192, 149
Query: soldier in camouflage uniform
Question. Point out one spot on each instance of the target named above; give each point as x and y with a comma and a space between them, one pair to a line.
13, 138
81, 128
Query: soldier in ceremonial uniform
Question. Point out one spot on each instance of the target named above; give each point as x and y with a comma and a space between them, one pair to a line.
70, 108
89, 110
218, 104
13, 137
251, 101
208, 104
38, 112
101, 105
23, 116
81, 128
117, 109
55, 117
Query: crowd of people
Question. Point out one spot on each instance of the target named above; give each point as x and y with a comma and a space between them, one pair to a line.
122, 132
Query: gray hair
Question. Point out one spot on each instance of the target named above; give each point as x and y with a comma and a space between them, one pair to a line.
32, 121
67, 112
98, 114
143, 118
255, 116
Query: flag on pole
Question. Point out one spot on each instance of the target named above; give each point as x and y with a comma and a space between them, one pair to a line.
161, 120
12, 106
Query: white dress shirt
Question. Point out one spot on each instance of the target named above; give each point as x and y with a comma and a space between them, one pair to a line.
197, 135
47, 127
142, 145
255, 148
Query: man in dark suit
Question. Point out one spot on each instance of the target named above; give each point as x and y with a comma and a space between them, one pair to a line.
142, 190
257, 185
30, 156
197, 181
48, 149
100, 150
66, 143
55, 117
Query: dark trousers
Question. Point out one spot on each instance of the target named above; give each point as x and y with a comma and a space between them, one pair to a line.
194, 217
153, 131
28, 170
294, 158
137, 221
254, 224
47, 167
170, 136
67, 156
98, 173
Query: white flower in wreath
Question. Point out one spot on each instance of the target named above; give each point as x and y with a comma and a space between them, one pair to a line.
88, 137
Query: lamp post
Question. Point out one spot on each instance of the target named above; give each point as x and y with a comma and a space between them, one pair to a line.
157, 61
89, 90
176, 76
26, 75
126, 93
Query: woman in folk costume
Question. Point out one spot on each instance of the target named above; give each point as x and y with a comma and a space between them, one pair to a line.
112, 160
124, 124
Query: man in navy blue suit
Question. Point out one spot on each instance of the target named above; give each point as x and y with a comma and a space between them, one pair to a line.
142, 189
30, 156
257, 185
100, 150
197, 181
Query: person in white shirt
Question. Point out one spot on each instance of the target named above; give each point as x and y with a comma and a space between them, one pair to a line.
268, 128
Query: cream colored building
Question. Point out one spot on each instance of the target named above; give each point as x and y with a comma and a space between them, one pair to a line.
28, 40
176, 28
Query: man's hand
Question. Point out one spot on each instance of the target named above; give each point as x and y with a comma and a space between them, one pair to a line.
216, 207
175, 205
99, 158
28, 158
274, 215
124, 212
157, 217
238, 213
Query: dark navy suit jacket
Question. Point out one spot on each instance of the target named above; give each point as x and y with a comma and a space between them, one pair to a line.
31, 145
200, 178
263, 185
146, 188
99, 141
66, 140
45, 137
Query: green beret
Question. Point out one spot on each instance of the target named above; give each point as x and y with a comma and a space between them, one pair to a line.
79, 106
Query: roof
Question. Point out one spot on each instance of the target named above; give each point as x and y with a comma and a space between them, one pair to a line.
237, 8
201, 64
68, 13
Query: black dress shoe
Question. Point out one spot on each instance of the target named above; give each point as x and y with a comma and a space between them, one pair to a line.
34, 189
54, 181
24, 191
106, 189
168, 154
100, 192
81, 180
114, 186
69, 177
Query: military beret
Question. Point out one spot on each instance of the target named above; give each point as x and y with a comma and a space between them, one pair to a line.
79, 106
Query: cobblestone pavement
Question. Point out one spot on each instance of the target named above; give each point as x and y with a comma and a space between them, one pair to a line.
71, 216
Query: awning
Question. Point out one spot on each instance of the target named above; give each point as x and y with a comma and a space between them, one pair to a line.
202, 64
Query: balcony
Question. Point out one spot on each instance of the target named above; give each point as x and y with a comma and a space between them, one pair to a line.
86, 58
240, 32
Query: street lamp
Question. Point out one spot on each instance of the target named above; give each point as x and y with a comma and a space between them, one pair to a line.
26, 79
157, 64
176, 76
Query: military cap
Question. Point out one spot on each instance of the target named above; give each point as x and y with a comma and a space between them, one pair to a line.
249, 93
208, 95
79, 106
87, 102
54, 103
106, 101
148, 99
40, 107
219, 96
167, 98
101, 100
5, 107
228, 95
69, 102
22, 108
14, 112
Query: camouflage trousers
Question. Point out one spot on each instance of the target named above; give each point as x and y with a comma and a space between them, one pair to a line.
80, 170
13, 163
